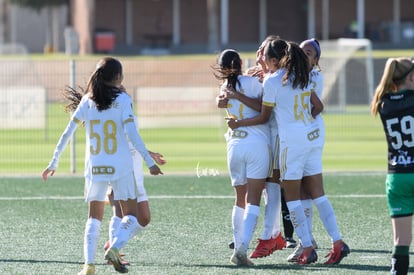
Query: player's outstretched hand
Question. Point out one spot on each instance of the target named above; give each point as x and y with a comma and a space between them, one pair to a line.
46, 173
155, 170
158, 158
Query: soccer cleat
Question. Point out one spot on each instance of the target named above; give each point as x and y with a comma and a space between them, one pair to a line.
239, 257
294, 257
112, 255
106, 246
280, 242
267, 247
338, 252
308, 256
290, 243
235, 260
88, 269
123, 261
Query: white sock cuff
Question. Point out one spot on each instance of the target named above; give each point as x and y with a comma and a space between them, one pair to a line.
320, 200
272, 186
293, 204
116, 219
252, 209
131, 218
238, 209
93, 222
306, 201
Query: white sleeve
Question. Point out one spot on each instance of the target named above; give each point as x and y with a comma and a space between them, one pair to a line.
63, 141
137, 142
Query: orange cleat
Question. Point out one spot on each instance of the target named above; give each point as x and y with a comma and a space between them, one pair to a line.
267, 247
308, 256
339, 251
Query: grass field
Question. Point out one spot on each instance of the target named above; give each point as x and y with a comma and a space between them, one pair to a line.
42, 225
354, 142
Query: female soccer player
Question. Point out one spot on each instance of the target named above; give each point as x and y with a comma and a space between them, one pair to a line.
271, 238
312, 50
143, 210
394, 102
106, 111
289, 95
248, 154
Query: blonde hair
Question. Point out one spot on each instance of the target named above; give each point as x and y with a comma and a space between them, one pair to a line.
395, 72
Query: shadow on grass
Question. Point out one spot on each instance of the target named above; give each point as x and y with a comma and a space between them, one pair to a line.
31, 261
374, 251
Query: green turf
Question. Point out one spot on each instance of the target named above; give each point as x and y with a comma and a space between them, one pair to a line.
354, 142
42, 226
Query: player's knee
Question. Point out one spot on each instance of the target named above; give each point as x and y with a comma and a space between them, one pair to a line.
144, 220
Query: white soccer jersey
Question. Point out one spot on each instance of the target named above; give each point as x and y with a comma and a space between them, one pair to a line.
292, 111
269, 99
251, 87
107, 154
107, 146
316, 80
248, 152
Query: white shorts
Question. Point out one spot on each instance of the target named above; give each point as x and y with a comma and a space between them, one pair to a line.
124, 188
139, 178
297, 162
248, 160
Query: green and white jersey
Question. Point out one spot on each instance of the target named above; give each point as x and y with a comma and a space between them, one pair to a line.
397, 116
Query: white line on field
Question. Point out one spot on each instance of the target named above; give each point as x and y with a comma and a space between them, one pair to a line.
351, 196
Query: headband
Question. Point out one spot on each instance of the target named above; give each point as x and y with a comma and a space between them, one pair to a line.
315, 44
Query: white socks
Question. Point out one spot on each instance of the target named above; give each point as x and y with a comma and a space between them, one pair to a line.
125, 231
308, 208
249, 223
91, 240
113, 226
328, 217
237, 224
298, 219
271, 223
137, 230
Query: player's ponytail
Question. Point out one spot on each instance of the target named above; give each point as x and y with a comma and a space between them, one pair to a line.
100, 87
395, 72
229, 67
297, 67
